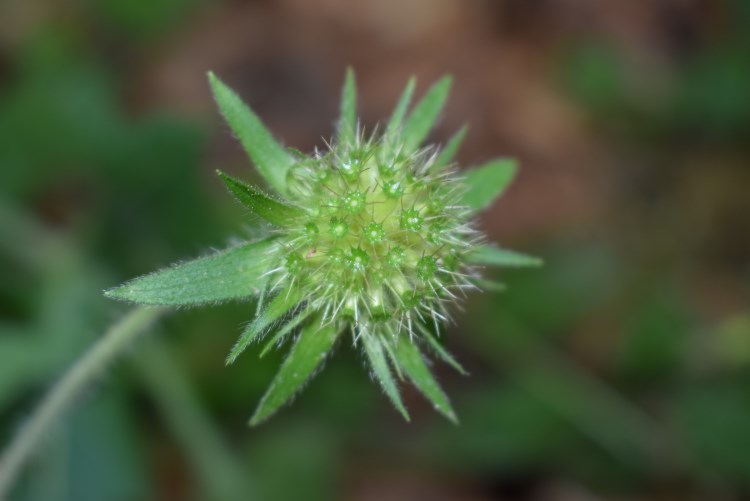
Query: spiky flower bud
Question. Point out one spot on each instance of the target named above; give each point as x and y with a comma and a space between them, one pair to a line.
373, 236
389, 233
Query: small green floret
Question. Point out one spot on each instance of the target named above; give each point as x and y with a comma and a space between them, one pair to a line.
357, 261
395, 257
393, 188
354, 201
374, 233
339, 228
411, 220
311, 230
294, 263
427, 268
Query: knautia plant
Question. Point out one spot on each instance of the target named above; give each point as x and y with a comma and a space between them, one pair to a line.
372, 237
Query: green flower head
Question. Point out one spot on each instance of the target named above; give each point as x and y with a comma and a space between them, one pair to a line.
372, 237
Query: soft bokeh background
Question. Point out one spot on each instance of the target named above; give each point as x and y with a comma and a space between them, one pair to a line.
619, 371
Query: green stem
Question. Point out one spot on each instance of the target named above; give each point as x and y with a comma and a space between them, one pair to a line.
218, 470
66, 391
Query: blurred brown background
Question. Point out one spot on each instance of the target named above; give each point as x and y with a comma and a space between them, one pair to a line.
619, 371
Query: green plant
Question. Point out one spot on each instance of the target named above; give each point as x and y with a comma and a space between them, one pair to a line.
373, 236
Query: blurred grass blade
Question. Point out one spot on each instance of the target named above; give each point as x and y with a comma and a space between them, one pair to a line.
397, 117
273, 211
495, 256
272, 161
379, 363
445, 157
412, 363
231, 274
348, 119
440, 350
306, 355
284, 302
425, 113
488, 182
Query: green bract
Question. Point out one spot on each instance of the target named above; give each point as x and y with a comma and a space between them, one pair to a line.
373, 237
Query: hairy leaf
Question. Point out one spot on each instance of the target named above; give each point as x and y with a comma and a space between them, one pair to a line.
284, 302
231, 274
488, 182
379, 363
348, 120
495, 256
425, 113
489, 285
449, 150
397, 117
273, 211
413, 365
272, 161
306, 355
281, 332
440, 350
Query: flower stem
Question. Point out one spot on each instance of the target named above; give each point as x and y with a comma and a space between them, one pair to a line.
219, 472
65, 392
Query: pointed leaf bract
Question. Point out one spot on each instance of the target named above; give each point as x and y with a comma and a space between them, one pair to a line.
272, 161
230, 274
311, 348
445, 157
397, 117
348, 119
284, 302
488, 182
412, 363
274, 211
495, 256
425, 113
379, 364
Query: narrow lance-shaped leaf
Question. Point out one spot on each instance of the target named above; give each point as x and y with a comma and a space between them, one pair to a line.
488, 182
489, 285
348, 120
281, 332
423, 117
274, 211
413, 365
284, 302
272, 161
306, 355
397, 117
379, 364
231, 274
390, 349
445, 157
495, 256
440, 350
